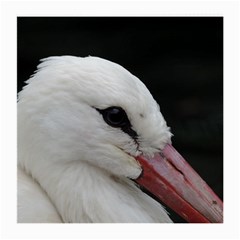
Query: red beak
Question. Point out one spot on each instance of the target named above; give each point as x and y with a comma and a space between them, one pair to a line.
171, 179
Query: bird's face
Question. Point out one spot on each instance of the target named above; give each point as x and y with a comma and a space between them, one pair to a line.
94, 110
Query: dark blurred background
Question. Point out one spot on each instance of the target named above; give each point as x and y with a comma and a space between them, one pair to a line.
180, 59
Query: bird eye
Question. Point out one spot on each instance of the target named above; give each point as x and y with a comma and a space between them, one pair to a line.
115, 116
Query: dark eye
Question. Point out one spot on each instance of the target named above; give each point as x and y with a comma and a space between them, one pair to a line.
115, 116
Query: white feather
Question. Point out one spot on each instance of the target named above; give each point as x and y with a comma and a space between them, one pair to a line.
71, 162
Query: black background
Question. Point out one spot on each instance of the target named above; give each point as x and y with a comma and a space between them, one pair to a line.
180, 59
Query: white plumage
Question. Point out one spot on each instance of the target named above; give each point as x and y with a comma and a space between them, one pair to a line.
73, 167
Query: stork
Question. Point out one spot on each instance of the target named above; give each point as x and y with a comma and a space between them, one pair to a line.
89, 135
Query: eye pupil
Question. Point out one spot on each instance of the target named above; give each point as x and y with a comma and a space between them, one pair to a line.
115, 116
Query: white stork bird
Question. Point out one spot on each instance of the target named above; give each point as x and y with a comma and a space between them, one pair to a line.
86, 129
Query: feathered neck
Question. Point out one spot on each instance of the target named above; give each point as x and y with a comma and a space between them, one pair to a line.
83, 193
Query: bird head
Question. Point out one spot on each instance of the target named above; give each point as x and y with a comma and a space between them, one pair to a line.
91, 109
